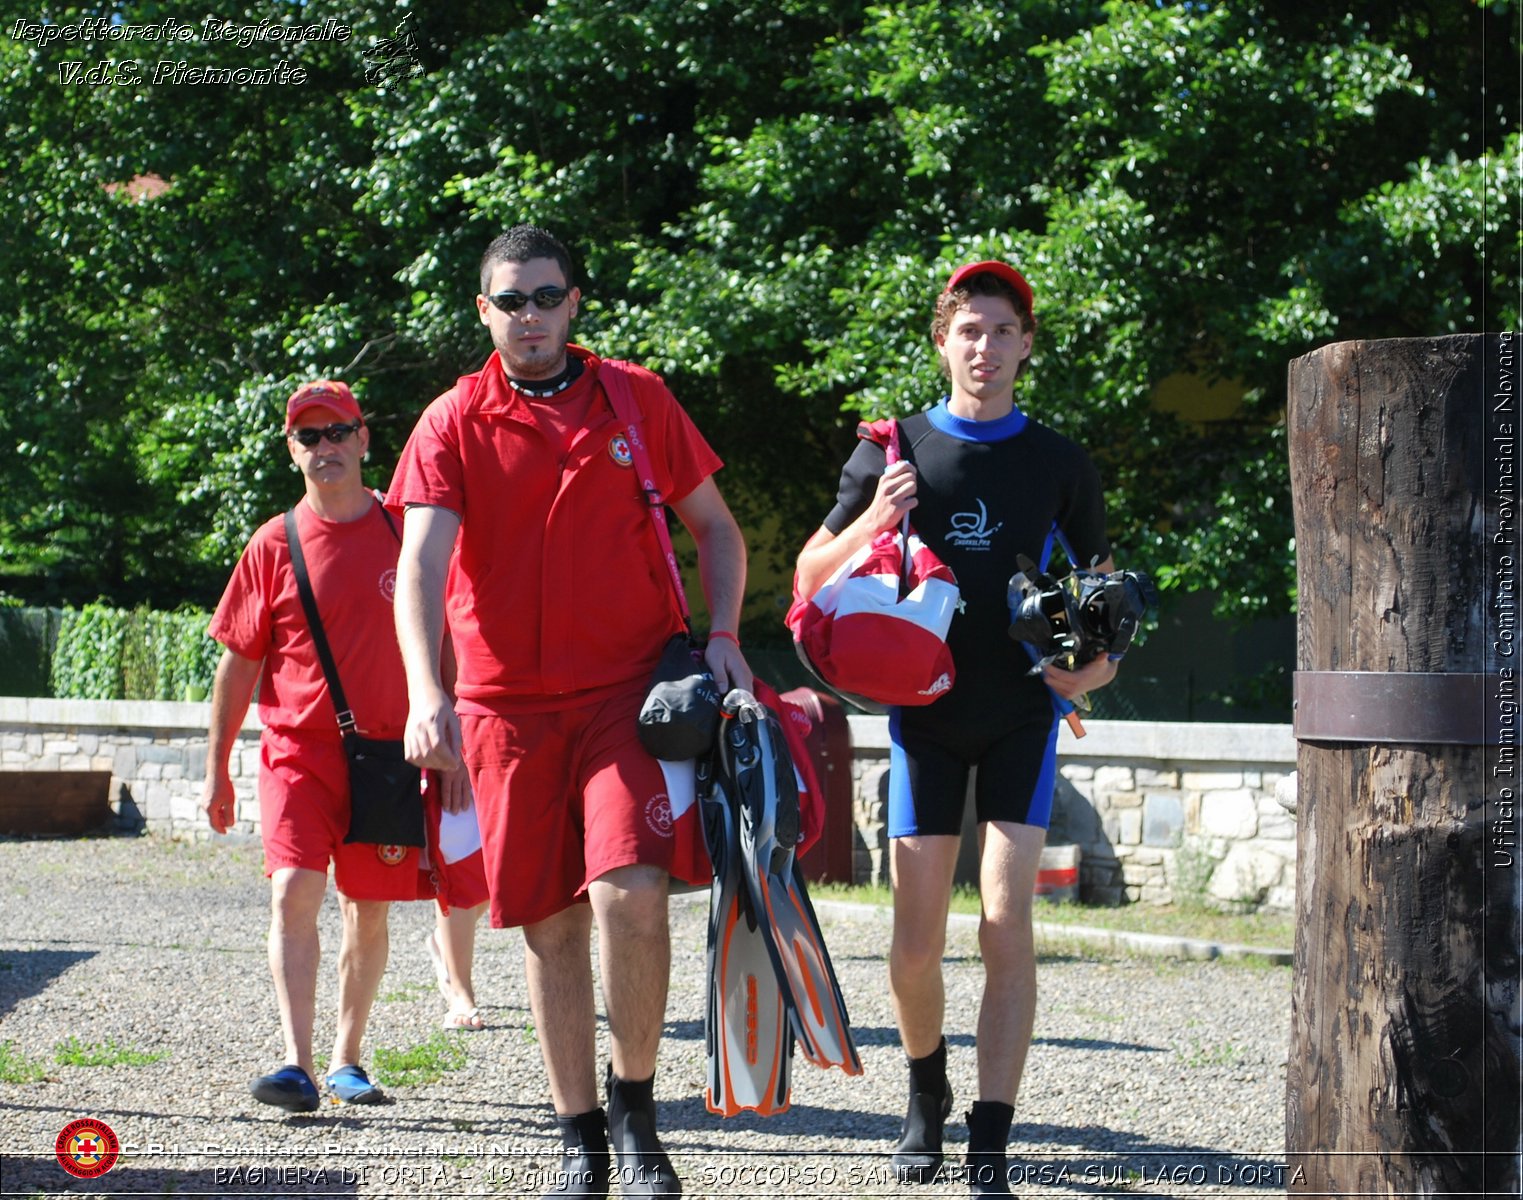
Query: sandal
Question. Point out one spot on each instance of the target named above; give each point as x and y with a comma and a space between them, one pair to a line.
467, 1020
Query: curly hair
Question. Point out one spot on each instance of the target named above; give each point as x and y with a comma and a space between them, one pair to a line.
982, 284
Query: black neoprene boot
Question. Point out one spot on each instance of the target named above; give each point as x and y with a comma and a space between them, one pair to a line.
641, 1166
988, 1134
583, 1166
917, 1157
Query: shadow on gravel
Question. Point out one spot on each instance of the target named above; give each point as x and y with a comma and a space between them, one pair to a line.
1096, 1044
1123, 1160
26, 973
706, 1131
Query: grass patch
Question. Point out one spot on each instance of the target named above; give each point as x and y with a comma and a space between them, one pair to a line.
74, 1053
1274, 930
406, 994
16, 1067
426, 1062
1201, 1055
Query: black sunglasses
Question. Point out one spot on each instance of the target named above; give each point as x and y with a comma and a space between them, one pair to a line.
337, 434
544, 298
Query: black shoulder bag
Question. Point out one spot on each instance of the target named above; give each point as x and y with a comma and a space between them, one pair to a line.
385, 801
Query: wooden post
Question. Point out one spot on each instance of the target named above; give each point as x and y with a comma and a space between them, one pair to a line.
1403, 1077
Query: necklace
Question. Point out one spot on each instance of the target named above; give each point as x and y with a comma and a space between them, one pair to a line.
543, 389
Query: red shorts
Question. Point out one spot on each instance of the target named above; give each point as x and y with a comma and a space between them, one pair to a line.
304, 814
452, 870
565, 797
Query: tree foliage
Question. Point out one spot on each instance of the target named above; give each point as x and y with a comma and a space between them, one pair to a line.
764, 198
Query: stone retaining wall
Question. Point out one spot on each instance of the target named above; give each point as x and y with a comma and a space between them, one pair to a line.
1158, 811
155, 751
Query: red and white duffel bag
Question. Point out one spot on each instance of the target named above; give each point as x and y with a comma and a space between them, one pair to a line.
877, 628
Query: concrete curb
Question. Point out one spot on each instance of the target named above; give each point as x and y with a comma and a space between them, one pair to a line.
1158, 944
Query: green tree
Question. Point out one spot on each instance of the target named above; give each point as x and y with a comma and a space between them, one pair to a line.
765, 197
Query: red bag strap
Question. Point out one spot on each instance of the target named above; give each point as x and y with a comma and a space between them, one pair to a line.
886, 434
614, 376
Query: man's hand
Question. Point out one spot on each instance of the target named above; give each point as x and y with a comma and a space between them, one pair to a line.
432, 736
219, 803
454, 789
894, 497
728, 664
1070, 684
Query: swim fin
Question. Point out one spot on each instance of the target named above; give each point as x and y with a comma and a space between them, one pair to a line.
746, 1029
754, 760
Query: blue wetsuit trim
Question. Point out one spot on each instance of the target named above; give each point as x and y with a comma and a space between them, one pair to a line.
944, 419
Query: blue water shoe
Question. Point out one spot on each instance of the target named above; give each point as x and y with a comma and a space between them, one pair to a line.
289, 1088
350, 1085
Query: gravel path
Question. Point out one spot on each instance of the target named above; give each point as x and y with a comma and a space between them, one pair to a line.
1148, 1076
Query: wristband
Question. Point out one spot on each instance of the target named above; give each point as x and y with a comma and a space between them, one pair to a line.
1117, 657
724, 635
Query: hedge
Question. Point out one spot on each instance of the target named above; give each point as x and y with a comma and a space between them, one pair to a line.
107, 653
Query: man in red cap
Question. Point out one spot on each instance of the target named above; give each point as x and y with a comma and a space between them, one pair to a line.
986, 484
350, 546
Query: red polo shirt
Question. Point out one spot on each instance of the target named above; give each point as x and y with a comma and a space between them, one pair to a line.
558, 594
354, 575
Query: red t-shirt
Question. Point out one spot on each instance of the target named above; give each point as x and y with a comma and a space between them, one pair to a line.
353, 565
558, 591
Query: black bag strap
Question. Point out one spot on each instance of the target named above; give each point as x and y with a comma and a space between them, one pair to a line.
346, 723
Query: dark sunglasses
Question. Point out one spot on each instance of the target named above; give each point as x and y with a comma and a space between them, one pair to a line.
545, 298
337, 434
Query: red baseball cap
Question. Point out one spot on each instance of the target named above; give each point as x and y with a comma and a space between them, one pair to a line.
1000, 271
322, 393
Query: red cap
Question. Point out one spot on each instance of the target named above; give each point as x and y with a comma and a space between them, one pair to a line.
322, 393
1000, 271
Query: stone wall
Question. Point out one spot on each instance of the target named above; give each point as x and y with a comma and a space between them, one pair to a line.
1158, 811
155, 751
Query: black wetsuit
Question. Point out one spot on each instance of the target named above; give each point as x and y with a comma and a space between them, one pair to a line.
987, 491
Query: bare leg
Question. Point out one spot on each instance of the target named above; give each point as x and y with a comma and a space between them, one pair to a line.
296, 896
455, 937
1008, 862
558, 965
922, 870
634, 952
361, 963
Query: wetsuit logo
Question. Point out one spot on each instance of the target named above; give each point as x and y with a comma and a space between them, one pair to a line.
619, 451
971, 531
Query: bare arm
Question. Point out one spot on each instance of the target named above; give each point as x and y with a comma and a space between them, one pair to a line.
232, 692
824, 552
722, 567
432, 736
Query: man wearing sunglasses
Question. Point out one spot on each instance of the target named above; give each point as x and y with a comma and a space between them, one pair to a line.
350, 546
559, 602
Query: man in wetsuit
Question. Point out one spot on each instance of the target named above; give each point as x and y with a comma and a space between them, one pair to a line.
985, 483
